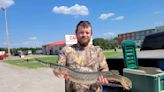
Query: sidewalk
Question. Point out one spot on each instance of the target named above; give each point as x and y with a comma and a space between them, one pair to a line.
18, 79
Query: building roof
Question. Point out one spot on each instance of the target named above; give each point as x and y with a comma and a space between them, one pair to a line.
55, 43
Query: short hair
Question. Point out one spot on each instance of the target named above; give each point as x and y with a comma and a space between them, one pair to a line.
84, 24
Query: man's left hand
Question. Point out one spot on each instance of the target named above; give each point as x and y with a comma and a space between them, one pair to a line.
102, 80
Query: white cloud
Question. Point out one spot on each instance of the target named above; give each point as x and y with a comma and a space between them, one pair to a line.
6, 3
105, 16
26, 43
109, 33
119, 18
159, 23
73, 10
31, 44
158, 12
33, 38
106, 35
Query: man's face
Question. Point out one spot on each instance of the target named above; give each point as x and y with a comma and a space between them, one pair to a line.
83, 35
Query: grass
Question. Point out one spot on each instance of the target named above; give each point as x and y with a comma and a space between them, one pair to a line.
52, 59
25, 63
34, 64
109, 54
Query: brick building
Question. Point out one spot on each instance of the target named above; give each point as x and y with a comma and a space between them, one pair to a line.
138, 36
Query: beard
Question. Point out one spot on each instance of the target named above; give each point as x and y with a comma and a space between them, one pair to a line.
84, 42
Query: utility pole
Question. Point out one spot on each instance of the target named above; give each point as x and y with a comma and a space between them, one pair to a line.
7, 33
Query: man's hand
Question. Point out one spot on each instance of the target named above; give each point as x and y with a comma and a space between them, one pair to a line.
62, 74
126, 83
102, 80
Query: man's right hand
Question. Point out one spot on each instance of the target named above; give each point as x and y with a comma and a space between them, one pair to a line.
61, 74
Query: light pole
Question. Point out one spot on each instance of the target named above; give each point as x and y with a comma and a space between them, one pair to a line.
7, 33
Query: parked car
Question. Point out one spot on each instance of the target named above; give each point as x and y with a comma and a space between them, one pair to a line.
3, 55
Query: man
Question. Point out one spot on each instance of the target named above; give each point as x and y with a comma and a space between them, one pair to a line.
83, 57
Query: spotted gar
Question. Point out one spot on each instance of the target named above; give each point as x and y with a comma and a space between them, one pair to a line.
91, 77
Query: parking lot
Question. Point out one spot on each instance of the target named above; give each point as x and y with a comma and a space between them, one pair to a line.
18, 79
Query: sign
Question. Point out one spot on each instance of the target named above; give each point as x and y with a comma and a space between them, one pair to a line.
71, 39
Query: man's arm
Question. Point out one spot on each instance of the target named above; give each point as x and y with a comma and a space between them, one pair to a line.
61, 61
103, 66
62, 56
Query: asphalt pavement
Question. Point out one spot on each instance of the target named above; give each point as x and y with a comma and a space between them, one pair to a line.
20, 79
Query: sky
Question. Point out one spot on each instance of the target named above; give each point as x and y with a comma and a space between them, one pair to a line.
33, 23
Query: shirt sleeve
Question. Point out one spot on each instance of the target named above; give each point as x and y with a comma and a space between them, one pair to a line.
62, 56
103, 66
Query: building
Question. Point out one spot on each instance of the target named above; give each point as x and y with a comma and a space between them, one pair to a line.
138, 36
55, 47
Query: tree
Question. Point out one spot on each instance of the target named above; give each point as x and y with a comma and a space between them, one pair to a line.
99, 42
106, 43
